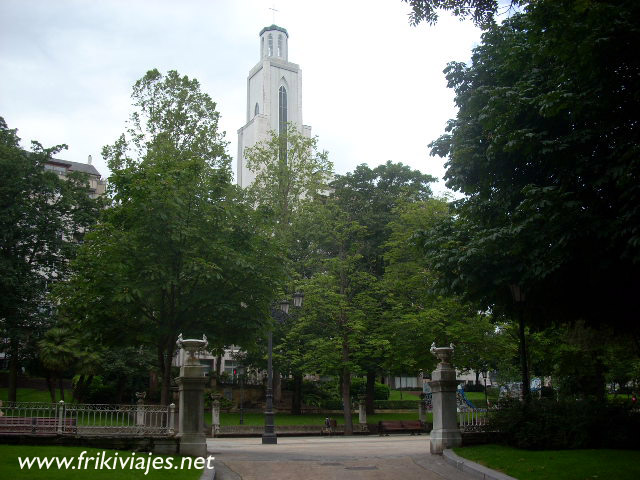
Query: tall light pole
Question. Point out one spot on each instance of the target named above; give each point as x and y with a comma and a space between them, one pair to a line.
486, 397
269, 436
241, 371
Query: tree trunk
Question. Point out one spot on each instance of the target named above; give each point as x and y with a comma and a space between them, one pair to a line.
165, 398
153, 384
61, 387
76, 391
13, 373
371, 392
524, 365
346, 401
50, 387
277, 387
296, 401
218, 367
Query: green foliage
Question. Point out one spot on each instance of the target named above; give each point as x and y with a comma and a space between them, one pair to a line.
545, 149
177, 251
482, 12
41, 216
549, 424
289, 171
359, 387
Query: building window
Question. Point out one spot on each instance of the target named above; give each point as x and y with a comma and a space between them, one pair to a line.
282, 114
282, 123
270, 45
256, 110
279, 45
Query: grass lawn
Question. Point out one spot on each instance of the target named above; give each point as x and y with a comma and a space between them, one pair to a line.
478, 399
395, 395
556, 464
10, 468
30, 395
257, 419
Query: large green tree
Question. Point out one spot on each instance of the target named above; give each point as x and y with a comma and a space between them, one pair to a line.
545, 150
330, 336
177, 251
41, 218
290, 174
372, 197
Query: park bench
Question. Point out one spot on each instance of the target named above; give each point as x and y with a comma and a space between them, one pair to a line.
385, 427
35, 425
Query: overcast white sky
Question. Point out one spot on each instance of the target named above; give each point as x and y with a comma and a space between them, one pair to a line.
373, 87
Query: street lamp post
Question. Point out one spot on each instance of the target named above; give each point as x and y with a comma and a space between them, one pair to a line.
241, 371
486, 398
269, 436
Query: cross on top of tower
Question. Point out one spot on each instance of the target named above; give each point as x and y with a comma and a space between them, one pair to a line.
273, 13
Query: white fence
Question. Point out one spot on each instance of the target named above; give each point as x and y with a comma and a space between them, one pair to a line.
472, 419
86, 419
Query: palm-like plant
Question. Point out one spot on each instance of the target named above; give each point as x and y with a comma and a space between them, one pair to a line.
58, 352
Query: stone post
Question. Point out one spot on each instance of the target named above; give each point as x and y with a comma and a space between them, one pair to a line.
422, 414
215, 414
445, 433
362, 411
140, 408
191, 383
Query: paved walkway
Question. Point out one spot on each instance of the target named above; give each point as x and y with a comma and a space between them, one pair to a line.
321, 458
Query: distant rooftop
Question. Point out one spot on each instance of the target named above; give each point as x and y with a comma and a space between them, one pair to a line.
76, 166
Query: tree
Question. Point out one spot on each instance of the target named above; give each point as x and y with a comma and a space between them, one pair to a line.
545, 148
372, 198
41, 216
330, 334
481, 11
290, 173
177, 251
289, 170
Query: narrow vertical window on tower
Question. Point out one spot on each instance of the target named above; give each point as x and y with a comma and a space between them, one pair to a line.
279, 45
256, 110
270, 45
282, 122
282, 114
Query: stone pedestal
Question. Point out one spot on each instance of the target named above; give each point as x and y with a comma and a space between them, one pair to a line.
445, 433
191, 384
422, 412
362, 412
215, 415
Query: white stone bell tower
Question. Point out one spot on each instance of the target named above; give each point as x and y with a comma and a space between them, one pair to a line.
274, 96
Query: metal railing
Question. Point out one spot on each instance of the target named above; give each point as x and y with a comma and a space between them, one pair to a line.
86, 419
472, 419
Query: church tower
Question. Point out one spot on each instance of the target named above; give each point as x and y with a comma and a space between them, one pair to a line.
274, 97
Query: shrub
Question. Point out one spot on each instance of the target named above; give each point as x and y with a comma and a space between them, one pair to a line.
99, 392
332, 404
549, 424
359, 387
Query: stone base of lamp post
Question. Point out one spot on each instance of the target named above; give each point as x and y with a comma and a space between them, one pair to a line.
445, 433
191, 383
193, 441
